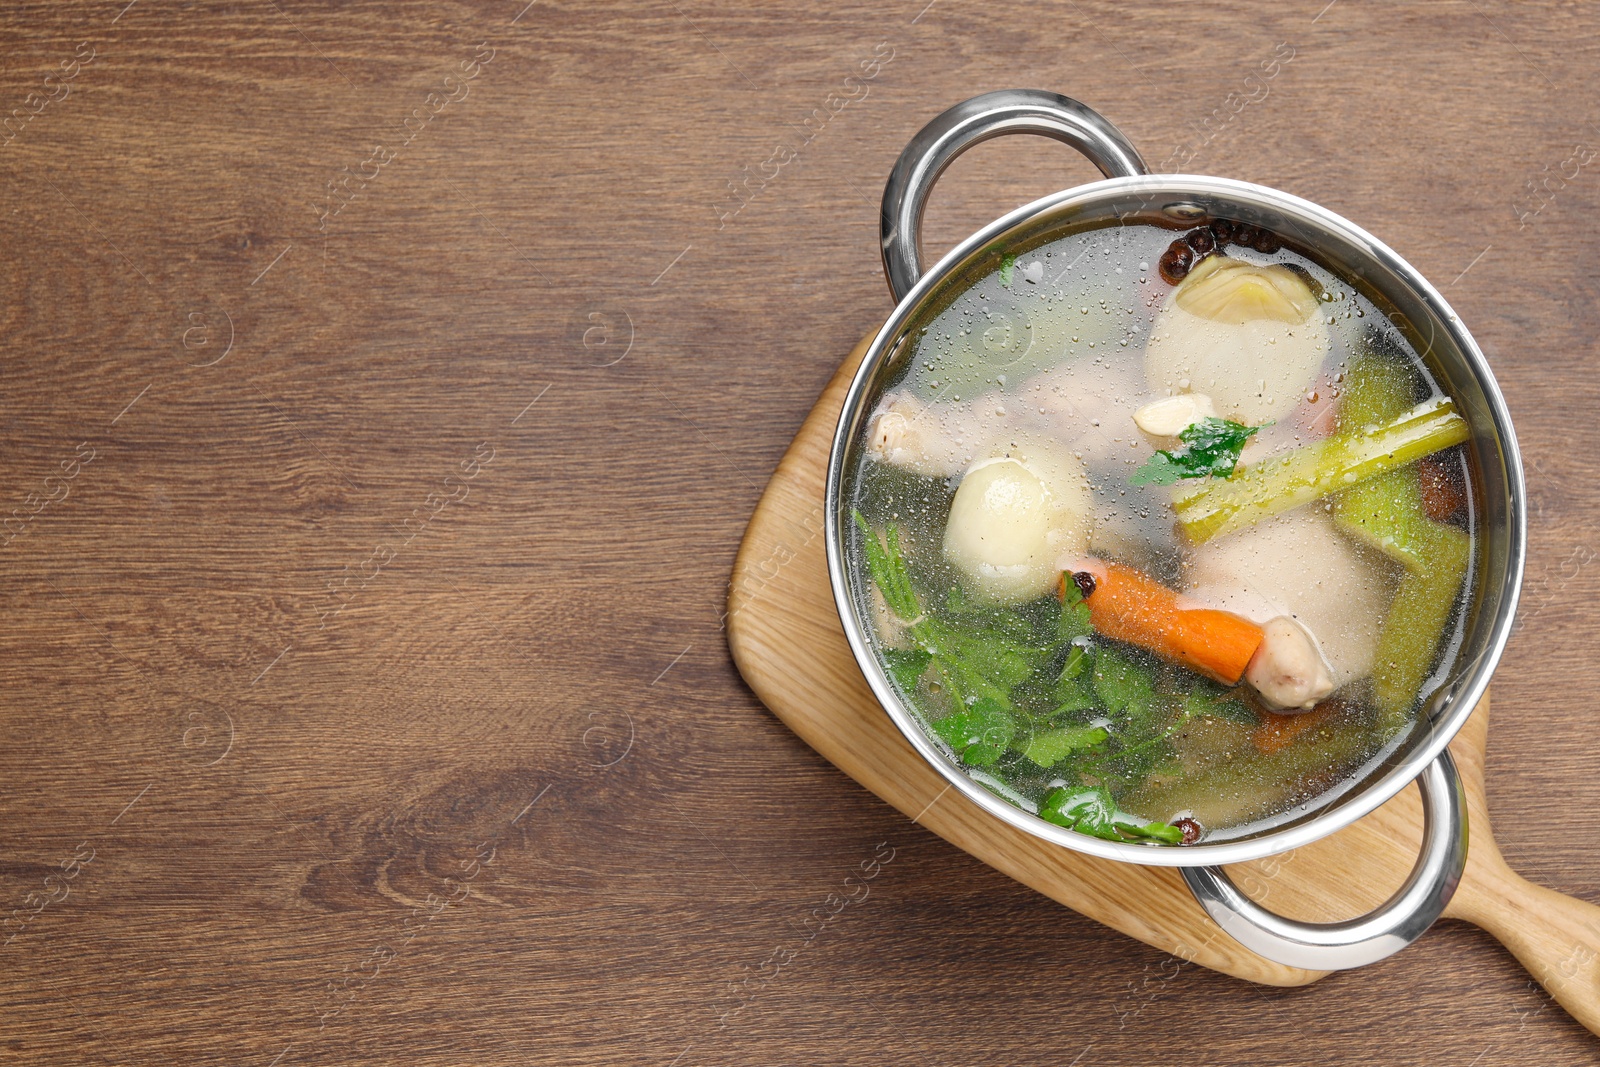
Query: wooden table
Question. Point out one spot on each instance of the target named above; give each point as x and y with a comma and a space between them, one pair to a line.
384, 392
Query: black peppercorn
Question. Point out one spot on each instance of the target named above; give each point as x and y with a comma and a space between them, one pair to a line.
1201, 241
1085, 583
1175, 262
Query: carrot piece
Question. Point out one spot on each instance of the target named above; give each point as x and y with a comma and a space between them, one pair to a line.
1442, 494
1277, 732
1129, 606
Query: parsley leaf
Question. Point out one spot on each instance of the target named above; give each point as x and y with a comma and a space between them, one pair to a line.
1074, 665
1025, 681
1124, 685
1088, 811
1007, 264
1209, 700
887, 566
979, 734
1210, 449
1073, 691
981, 661
1151, 831
906, 665
980, 658
1073, 622
1052, 746
1093, 812
1074, 694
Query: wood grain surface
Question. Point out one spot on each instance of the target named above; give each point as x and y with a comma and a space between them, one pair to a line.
384, 392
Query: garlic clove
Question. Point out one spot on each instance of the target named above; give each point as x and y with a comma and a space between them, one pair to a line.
1170, 416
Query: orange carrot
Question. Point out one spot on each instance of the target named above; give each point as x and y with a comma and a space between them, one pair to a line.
1277, 731
1442, 493
1129, 606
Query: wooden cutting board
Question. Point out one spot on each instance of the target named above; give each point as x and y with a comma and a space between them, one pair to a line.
785, 635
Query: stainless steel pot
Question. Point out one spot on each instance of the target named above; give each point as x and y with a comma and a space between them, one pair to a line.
1130, 193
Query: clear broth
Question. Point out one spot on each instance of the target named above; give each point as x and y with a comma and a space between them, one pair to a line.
1055, 342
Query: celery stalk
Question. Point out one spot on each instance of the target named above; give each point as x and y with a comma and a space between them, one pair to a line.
1386, 512
1376, 389
1409, 640
1282, 483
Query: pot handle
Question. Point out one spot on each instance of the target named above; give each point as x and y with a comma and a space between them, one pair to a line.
1356, 942
938, 143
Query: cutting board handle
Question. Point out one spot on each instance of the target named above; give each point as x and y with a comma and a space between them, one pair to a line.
1555, 936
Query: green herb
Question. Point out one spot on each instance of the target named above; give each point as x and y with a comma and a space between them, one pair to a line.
1093, 812
1052, 746
981, 733
1145, 718
888, 569
1211, 450
906, 665
1151, 831
975, 661
1007, 262
981, 661
1208, 700
1125, 686
1073, 623
1074, 693
1073, 667
1025, 680
1074, 628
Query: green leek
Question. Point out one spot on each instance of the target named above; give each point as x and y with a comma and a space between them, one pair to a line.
1387, 513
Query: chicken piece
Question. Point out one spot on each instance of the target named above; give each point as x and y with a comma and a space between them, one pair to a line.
1287, 670
934, 440
940, 440
1299, 565
1087, 405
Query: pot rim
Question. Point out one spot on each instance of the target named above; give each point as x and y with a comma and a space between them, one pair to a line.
1447, 709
